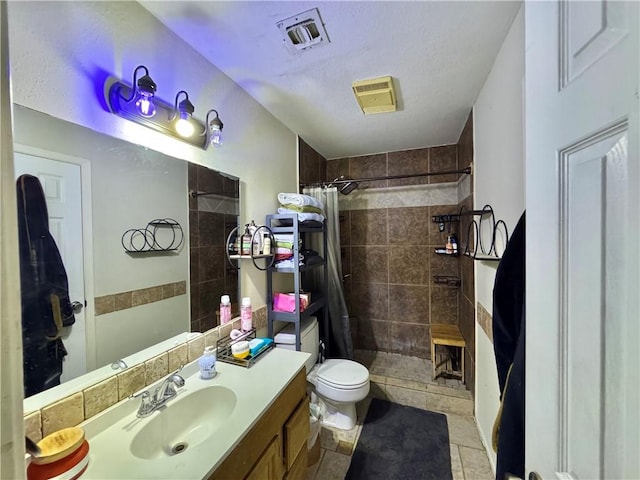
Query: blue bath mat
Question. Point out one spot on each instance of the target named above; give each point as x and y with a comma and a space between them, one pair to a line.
401, 443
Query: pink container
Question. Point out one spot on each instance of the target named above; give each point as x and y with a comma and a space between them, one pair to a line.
286, 302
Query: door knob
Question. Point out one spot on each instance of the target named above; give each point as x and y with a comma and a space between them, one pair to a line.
77, 307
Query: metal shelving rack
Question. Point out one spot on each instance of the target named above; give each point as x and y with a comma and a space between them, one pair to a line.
318, 298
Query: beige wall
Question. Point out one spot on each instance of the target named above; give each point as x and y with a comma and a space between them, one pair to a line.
62, 52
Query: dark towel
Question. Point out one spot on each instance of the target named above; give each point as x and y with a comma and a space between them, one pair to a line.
509, 347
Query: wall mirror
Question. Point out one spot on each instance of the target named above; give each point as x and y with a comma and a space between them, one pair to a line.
97, 188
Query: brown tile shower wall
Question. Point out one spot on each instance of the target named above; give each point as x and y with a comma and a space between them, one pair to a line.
389, 256
311, 165
211, 276
466, 299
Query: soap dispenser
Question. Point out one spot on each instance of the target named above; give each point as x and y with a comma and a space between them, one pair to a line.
207, 363
246, 241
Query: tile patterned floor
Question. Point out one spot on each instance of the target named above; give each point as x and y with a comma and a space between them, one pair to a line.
407, 381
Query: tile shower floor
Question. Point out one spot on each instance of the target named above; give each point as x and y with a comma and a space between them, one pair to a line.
407, 381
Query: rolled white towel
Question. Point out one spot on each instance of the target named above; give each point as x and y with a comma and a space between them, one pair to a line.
299, 199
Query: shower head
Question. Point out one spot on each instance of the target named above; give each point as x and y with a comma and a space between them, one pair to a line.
344, 185
348, 187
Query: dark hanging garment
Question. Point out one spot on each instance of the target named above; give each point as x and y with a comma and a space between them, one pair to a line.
509, 348
46, 307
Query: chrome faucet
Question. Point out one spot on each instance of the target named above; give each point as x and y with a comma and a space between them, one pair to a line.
161, 395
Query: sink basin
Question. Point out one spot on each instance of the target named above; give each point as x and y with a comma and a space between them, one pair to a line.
184, 422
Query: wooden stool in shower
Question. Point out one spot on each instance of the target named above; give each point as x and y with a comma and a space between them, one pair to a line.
450, 336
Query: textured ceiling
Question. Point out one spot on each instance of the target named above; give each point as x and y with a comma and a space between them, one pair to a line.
438, 53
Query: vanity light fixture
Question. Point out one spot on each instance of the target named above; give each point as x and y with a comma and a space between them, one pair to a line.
214, 132
138, 103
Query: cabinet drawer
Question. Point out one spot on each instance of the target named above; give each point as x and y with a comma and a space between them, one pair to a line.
296, 432
299, 468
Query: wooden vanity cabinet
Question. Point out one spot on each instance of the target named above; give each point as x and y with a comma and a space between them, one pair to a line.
276, 447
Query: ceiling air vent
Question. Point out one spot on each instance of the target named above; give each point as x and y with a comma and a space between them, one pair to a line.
375, 95
303, 31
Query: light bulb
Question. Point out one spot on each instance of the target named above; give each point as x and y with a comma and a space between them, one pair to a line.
215, 138
184, 127
145, 105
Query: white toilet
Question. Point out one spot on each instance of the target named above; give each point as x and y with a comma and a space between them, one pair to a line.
339, 384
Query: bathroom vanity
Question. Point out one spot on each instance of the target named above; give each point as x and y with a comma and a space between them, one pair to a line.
246, 423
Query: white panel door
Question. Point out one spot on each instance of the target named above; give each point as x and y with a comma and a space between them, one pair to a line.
61, 182
583, 262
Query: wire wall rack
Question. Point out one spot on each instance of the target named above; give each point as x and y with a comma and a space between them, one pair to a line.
486, 237
159, 235
234, 246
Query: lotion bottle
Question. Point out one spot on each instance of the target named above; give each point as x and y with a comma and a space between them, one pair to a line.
266, 244
225, 309
246, 320
207, 363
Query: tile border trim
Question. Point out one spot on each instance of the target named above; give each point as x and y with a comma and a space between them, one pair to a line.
133, 298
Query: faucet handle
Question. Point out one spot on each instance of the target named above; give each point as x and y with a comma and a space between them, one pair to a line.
146, 405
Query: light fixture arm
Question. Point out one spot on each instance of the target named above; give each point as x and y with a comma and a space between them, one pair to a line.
134, 84
184, 106
209, 123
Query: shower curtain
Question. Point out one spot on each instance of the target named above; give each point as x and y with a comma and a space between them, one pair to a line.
341, 345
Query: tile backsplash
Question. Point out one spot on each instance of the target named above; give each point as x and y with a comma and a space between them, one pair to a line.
79, 406
133, 298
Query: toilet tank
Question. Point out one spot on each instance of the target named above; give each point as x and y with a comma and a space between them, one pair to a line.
309, 339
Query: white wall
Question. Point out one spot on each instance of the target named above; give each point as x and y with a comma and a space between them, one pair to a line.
499, 181
62, 53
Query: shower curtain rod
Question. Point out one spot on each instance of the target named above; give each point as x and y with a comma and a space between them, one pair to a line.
194, 194
388, 177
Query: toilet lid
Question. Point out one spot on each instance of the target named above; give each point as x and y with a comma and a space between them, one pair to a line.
343, 373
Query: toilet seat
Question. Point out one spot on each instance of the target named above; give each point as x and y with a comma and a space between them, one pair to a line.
341, 381
342, 374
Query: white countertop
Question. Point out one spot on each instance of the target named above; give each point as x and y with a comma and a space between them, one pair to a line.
110, 433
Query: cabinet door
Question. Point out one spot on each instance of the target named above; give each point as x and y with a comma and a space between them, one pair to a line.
296, 432
299, 468
269, 465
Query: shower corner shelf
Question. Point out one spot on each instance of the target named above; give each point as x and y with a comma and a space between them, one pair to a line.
449, 280
438, 251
